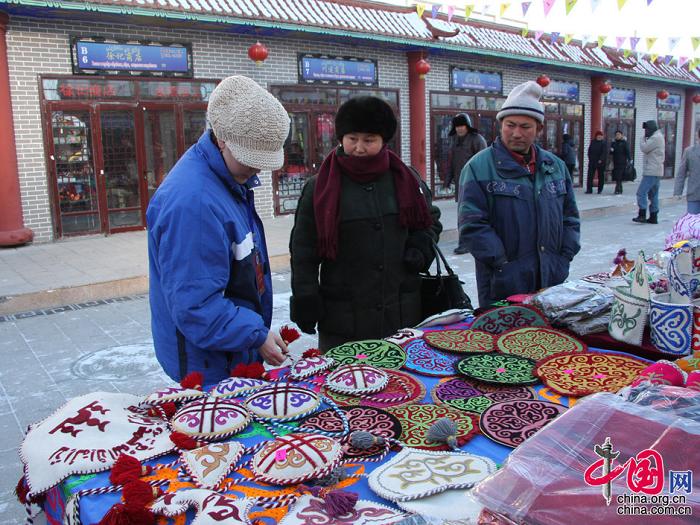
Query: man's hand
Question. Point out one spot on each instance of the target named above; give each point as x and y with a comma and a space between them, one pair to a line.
274, 351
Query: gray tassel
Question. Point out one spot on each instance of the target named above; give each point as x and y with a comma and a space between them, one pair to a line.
337, 474
444, 430
365, 440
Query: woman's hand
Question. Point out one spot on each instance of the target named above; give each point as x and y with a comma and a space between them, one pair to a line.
274, 351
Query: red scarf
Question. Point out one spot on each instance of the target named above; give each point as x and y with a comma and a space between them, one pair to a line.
413, 208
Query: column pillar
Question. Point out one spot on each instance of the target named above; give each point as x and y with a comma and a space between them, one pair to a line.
12, 230
416, 99
596, 104
688, 117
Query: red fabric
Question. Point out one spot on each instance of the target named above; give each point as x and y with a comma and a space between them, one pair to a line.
604, 340
520, 159
413, 208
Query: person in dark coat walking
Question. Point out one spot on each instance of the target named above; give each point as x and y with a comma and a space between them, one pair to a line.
597, 155
568, 153
363, 231
466, 143
518, 213
621, 156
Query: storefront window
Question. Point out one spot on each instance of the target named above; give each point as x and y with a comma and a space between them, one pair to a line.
668, 122
551, 108
489, 103
572, 110
75, 176
86, 89
627, 113
445, 100
160, 90
195, 122
390, 97
611, 113
325, 97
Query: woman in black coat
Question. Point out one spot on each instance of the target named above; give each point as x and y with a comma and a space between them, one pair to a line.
568, 153
363, 231
620, 151
597, 155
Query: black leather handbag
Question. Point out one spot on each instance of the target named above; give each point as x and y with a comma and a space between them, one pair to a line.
442, 292
630, 172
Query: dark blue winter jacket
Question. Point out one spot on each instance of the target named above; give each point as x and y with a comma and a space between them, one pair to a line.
522, 230
206, 312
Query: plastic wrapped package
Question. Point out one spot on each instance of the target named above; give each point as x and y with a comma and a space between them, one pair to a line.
543, 481
676, 400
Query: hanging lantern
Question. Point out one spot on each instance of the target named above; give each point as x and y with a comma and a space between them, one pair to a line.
696, 99
422, 68
605, 87
257, 53
543, 80
662, 95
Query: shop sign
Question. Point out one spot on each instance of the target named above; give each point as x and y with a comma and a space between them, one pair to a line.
562, 90
195, 91
86, 89
101, 56
473, 80
620, 97
337, 70
672, 102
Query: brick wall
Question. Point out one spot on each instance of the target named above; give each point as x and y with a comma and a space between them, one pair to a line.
42, 48
37, 47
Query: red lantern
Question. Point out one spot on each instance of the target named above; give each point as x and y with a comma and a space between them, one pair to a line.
422, 68
662, 95
696, 99
543, 80
257, 53
605, 87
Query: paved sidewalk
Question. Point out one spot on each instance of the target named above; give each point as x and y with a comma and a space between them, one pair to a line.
96, 267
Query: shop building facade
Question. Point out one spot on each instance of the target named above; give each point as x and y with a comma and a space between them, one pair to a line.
92, 148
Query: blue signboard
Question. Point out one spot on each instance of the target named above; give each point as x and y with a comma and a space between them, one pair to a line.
110, 56
672, 102
562, 90
620, 97
337, 70
472, 80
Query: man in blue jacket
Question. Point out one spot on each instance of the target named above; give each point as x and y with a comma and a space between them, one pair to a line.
210, 281
518, 214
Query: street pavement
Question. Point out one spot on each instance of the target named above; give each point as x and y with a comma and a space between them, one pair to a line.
106, 345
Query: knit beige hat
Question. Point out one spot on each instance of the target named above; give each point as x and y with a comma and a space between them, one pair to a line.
250, 120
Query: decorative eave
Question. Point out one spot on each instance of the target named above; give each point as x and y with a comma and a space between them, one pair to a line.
389, 25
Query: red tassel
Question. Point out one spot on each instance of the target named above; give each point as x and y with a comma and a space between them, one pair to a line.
311, 352
289, 334
164, 411
253, 370
121, 514
139, 494
21, 491
183, 441
193, 380
127, 468
169, 408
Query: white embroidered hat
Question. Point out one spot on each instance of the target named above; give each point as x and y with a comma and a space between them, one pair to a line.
251, 122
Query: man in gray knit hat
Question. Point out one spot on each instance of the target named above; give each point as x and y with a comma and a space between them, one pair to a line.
517, 213
210, 282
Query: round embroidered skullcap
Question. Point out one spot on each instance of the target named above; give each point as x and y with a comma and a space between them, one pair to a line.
250, 120
524, 99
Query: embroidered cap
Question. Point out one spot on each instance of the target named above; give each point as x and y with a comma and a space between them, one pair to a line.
524, 99
251, 122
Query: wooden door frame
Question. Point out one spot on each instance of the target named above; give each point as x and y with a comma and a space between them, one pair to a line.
66, 106
138, 132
